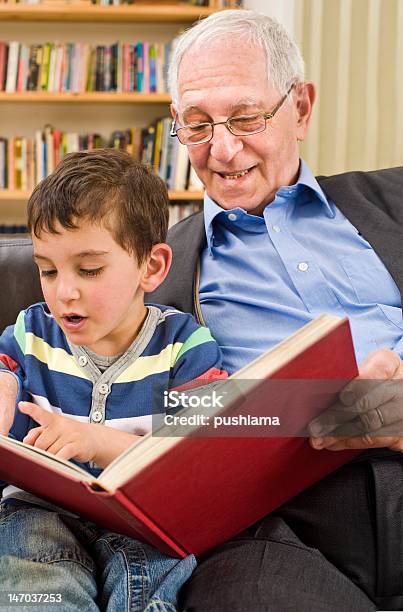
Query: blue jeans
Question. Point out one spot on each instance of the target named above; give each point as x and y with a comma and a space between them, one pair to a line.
85, 566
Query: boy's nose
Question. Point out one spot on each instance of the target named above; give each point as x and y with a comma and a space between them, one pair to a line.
67, 291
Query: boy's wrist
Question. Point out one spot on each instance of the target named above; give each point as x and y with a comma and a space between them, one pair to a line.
110, 443
99, 443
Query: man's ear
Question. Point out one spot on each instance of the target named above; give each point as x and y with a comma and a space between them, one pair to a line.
305, 96
173, 110
156, 267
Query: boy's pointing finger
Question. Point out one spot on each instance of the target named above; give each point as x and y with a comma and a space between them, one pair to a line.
41, 416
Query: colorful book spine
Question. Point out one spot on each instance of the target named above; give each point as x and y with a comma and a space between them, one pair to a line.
81, 67
12, 66
26, 161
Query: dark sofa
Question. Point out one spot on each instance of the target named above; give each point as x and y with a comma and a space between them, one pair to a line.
20, 284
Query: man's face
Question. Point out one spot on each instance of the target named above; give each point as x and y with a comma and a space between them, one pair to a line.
229, 78
92, 287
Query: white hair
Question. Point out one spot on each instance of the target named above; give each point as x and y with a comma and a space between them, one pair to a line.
285, 65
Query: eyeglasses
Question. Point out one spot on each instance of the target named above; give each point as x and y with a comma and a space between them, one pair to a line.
243, 125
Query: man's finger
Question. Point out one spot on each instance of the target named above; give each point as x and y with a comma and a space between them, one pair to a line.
380, 364
359, 443
332, 418
381, 406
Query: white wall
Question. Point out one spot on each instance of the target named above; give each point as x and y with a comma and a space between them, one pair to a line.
283, 10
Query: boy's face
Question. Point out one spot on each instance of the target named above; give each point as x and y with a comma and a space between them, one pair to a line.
93, 287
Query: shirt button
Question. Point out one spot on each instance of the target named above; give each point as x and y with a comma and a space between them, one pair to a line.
276, 229
96, 416
82, 360
232, 217
103, 389
303, 266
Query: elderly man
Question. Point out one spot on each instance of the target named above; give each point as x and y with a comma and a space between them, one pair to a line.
274, 248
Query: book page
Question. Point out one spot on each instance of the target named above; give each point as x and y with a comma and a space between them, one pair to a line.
42, 456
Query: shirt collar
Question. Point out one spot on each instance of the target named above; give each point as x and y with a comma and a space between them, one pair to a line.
211, 210
305, 179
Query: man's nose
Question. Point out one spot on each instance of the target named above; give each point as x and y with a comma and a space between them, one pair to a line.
224, 145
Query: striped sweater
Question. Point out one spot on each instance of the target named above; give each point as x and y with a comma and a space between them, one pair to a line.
170, 350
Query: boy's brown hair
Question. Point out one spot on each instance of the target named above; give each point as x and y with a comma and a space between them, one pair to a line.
104, 185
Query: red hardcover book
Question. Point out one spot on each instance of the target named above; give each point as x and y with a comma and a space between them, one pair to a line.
189, 494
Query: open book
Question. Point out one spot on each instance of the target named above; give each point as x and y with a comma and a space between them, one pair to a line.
188, 493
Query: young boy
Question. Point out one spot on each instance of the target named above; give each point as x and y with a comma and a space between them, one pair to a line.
93, 352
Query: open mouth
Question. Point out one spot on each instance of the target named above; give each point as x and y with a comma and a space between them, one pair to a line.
73, 321
233, 176
73, 318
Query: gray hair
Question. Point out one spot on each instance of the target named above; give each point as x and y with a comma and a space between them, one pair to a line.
284, 60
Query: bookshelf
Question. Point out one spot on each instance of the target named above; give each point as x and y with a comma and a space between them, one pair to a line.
96, 97
80, 11
22, 196
104, 112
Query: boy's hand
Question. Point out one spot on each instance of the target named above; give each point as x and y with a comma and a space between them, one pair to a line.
69, 439
8, 394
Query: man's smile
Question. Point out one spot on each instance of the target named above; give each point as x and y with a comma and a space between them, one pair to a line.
237, 174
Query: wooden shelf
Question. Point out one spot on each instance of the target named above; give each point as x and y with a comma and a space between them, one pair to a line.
80, 11
186, 195
6, 195
95, 97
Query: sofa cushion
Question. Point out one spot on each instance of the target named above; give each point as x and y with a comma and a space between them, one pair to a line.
20, 285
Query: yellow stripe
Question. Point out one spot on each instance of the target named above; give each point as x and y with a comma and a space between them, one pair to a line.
153, 364
57, 359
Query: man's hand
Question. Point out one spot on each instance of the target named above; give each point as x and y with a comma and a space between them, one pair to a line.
69, 439
8, 398
369, 413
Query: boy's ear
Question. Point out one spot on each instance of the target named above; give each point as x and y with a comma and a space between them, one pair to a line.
156, 267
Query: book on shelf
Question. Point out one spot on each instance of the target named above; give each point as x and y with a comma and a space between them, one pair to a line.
34, 158
215, 4
80, 67
3, 164
178, 212
188, 493
11, 57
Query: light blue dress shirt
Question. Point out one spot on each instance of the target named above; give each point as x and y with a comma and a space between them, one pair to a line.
262, 278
